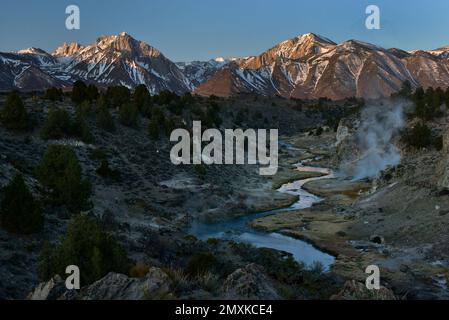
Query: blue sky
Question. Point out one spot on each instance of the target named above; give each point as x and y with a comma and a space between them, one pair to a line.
201, 29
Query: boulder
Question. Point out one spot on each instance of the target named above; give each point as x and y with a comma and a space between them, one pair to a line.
53, 289
250, 282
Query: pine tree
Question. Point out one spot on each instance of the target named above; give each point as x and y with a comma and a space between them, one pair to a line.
187, 99
102, 101
19, 211
87, 246
118, 95
80, 129
140, 94
13, 115
446, 97
406, 89
57, 125
79, 92
84, 109
104, 119
419, 94
60, 173
92, 93
129, 115
53, 94
420, 136
147, 107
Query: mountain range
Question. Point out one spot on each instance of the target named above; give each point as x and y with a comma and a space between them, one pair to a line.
306, 67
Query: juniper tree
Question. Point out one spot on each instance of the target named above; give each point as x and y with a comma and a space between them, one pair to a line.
61, 174
53, 94
140, 94
14, 115
79, 92
129, 115
87, 246
104, 119
19, 211
57, 125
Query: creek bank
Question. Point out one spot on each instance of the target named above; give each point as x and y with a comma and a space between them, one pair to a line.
240, 230
338, 190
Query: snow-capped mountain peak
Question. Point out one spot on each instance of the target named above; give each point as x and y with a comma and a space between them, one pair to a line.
313, 37
311, 66
200, 71
122, 60
442, 52
111, 60
32, 50
67, 50
308, 66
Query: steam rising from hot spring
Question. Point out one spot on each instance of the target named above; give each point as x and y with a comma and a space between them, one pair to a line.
374, 138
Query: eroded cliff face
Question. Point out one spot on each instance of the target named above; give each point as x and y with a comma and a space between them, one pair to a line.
347, 150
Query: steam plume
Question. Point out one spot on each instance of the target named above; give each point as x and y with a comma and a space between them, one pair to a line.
374, 139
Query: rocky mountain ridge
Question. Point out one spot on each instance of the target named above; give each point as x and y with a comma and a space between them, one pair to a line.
306, 67
310, 67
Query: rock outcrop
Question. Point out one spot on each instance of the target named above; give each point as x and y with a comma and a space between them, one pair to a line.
53, 289
114, 286
250, 282
310, 67
67, 50
346, 143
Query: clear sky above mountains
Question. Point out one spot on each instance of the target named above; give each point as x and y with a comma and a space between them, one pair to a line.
187, 30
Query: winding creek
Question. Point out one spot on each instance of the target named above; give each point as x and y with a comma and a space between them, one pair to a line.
239, 230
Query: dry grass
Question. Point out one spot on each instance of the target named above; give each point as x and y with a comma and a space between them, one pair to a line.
139, 270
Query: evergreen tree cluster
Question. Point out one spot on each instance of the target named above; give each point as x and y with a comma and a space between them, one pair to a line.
428, 102
54, 94
60, 173
103, 115
87, 246
60, 125
82, 92
118, 95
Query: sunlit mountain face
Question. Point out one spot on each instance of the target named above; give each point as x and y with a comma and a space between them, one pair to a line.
305, 67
